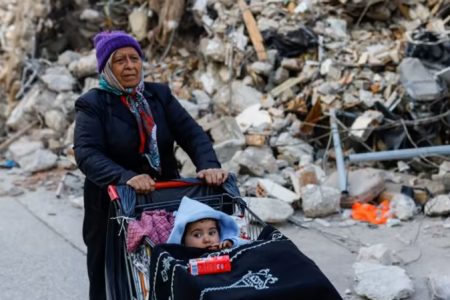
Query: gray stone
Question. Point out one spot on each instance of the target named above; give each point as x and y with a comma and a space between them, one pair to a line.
24, 147
37, 161
379, 282
439, 286
21, 115
226, 150
58, 79
292, 64
267, 24
274, 190
261, 68
281, 75
67, 57
363, 184
270, 210
213, 49
257, 161
69, 135
202, 99
363, 126
320, 201
85, 66
330, 70
402, 206
337, 28
138, 20
438, 206
90, 15
378, 253
254, 117
242, 96
227, 129
56, 120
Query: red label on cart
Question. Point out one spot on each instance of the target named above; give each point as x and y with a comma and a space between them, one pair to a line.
210, 265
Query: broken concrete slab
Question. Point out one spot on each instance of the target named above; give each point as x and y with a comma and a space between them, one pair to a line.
225, 129
378, 253
254, 117
363, 126
242, 97
402, 206
273, 190
270, 210
257, 160
85, 66
39, 160
439, 286
438, 206
379, 282
320, 200
58, 79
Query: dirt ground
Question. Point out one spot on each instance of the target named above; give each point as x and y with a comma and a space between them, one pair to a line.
421, 245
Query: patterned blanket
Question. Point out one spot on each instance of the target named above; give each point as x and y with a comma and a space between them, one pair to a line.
270, 268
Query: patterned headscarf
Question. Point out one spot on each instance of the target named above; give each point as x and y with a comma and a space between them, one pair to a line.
134, 99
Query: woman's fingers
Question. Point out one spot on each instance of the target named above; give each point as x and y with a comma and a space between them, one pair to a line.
142, 183
213, 176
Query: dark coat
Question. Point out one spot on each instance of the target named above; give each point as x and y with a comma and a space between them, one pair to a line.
106, 140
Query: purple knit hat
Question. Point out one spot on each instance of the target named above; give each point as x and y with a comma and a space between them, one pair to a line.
107, 42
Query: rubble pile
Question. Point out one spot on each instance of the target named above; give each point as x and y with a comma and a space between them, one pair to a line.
261, 77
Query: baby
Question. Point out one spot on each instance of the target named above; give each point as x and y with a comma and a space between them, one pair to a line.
199, 225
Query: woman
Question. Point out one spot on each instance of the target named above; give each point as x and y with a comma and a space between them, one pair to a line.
124, 134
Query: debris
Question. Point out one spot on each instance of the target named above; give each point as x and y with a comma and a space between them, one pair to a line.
320, 200
438, 206
402, 207
270, 210
379, 282
378, 253
268, 188
439, 286
253, 31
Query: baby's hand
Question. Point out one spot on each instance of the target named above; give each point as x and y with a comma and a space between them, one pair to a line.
226, 244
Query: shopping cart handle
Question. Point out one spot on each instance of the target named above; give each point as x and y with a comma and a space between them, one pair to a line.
113, 195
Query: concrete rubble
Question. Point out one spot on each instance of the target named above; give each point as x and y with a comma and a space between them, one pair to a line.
264, 104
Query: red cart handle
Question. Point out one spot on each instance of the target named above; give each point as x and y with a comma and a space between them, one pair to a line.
113, 195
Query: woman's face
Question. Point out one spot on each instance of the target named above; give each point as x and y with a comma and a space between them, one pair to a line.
126, 65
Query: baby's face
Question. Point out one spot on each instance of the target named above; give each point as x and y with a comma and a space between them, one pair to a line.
202, 234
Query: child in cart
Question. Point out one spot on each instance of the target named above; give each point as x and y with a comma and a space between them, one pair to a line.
199, 225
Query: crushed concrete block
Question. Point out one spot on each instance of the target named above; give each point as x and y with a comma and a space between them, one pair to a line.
85, 66
292, 64
273, 190
330, 70
363, 126
378, 253
281, 75
24, 147
226, 150
320, 201
58, 79
242, 97
363, 184
39, 160
227, 128
213, 49
438, 206
402, 206
270, 210
379, 282
67, 57
190, 107
261, 68
138, 20
56, 120
257, 161
202, 99
253, 116
439, 286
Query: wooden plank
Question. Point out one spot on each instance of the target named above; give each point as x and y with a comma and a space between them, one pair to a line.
276, 91
311, 119
253, 31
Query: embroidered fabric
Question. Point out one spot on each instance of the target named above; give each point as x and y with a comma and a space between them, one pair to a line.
156, 225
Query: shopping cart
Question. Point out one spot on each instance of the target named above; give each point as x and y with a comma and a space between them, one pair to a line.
127, 274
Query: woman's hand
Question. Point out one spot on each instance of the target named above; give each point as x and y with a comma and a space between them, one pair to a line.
213, 176
142, 183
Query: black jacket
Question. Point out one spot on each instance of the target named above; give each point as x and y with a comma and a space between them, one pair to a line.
106, 137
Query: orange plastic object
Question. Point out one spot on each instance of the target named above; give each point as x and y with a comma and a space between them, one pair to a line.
371, 213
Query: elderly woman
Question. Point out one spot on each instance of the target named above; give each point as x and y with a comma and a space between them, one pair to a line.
124, 134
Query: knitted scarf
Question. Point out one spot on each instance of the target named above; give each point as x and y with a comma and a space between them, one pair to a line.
135, 101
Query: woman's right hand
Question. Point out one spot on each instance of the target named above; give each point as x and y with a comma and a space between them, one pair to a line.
142, 183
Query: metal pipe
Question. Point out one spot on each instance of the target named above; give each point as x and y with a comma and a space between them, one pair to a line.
340, 164
399, 154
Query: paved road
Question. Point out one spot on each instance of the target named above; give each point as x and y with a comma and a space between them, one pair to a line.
42, 256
